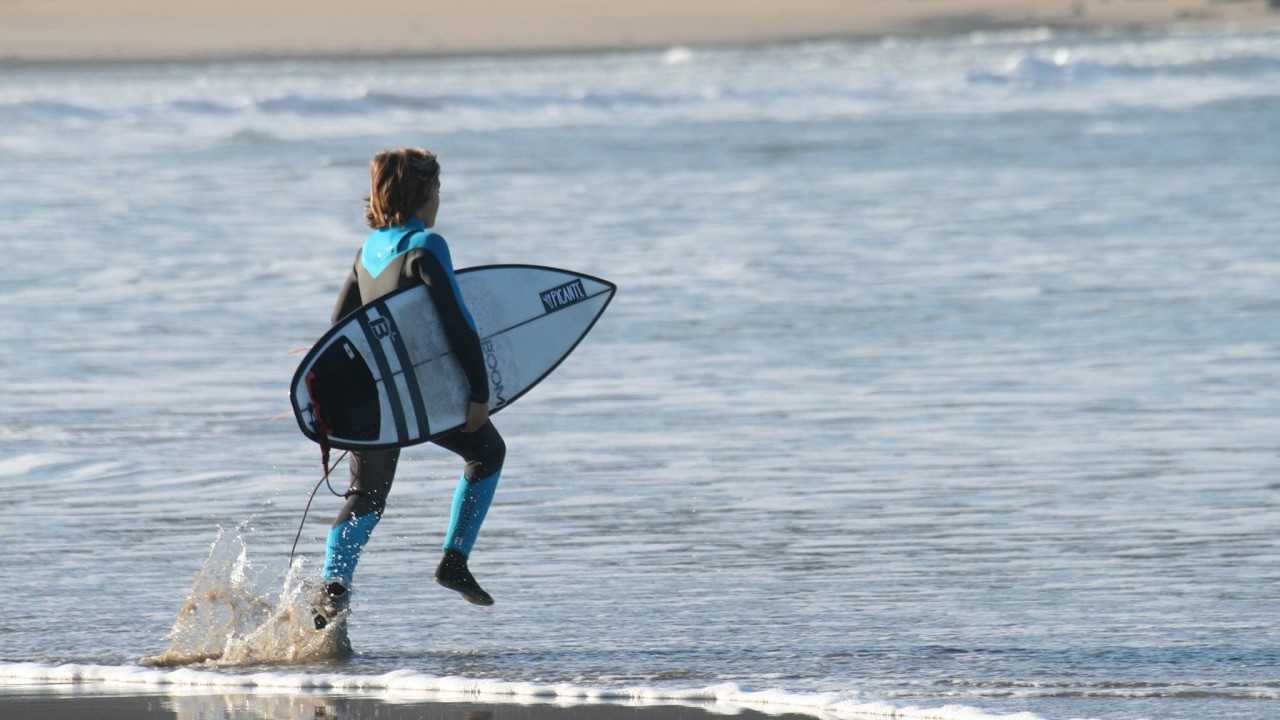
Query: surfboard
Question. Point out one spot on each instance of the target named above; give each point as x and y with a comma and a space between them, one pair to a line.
385, 376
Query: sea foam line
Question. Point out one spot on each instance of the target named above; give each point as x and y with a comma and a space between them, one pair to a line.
726, 698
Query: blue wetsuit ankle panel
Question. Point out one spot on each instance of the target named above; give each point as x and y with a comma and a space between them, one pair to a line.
471, 501
346, 541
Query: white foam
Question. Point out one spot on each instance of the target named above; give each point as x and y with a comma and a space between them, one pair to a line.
23, 465
400, 685
679, 55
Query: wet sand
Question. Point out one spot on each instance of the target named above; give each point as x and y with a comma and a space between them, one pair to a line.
194, 29
88, 702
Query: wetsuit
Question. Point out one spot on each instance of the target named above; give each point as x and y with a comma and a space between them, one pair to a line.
393, 258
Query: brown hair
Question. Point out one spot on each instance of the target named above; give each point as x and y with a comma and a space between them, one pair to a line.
400, 182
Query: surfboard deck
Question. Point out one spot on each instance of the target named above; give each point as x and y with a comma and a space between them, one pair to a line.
385, 376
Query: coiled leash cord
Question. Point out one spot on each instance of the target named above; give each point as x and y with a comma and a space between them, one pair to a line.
324, 462
324, 459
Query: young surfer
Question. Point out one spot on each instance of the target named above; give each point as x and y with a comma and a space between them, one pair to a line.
404, 198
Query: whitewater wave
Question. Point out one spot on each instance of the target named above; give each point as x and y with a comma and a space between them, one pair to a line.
995, 73
402, 685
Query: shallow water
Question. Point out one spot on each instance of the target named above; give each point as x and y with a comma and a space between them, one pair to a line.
941, 373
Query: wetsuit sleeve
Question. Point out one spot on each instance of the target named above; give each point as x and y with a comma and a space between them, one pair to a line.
348, 297
435, 268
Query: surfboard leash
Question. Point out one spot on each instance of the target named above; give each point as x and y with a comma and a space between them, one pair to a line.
328, 470
324, 463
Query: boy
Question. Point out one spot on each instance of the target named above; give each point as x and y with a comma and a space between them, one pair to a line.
403, 201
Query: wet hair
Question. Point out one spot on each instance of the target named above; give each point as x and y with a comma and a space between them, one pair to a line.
400, 182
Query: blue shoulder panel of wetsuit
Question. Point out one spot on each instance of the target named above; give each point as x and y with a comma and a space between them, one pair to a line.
386, 244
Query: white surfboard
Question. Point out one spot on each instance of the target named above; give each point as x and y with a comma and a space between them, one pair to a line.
385, 376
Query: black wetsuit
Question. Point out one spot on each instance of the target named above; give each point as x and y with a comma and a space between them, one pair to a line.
394, 258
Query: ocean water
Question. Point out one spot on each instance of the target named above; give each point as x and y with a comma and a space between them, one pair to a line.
943, 379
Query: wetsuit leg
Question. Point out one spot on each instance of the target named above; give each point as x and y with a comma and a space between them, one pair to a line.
484, 452
372, 473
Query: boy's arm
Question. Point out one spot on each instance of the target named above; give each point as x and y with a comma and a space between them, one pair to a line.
348, 296
435, 268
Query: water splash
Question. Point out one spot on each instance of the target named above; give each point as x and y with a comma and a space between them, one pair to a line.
232, 618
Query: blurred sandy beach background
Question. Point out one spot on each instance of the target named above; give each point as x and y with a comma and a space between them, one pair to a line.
155, 29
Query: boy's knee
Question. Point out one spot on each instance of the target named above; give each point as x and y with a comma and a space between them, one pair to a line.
496, 452
489, 459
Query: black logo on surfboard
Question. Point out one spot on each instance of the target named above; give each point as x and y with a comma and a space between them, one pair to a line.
383, 329
558, 298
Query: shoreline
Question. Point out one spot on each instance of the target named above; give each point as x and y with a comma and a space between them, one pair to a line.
34, 32
75, 702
